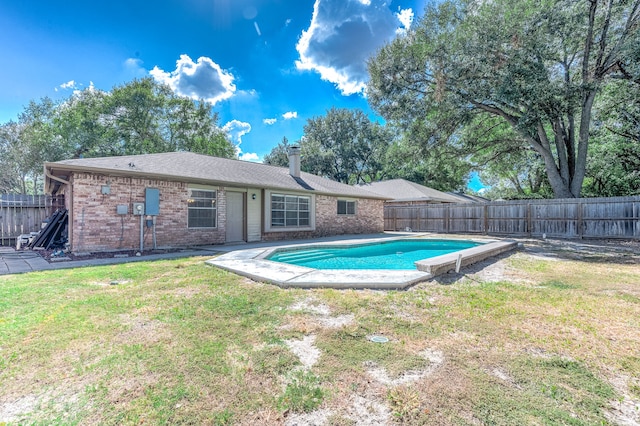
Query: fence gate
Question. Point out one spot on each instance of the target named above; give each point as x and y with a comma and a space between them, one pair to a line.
22, 214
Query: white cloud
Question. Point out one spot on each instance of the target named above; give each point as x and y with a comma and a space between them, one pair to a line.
202, 80
236, 130
289, 115
269, 121
405, 16
250, 156
134, 67
71, 84
342, 35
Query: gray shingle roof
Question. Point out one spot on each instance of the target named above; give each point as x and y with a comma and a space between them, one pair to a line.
404, 190
190, 167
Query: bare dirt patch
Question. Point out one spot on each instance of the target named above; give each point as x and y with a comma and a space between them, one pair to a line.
626, 410
435, 359
320, 315
305, 350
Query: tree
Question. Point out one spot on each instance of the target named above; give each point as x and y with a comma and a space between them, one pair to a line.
279, 155
139, 117
37, 142
194, 127
536, 66
614, 158
12, 177
496, 151
344, 145
438, 167
81, 123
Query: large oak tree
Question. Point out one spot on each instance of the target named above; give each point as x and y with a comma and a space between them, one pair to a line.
537, 66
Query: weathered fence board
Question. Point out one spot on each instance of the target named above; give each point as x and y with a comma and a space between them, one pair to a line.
21, 214
617, 217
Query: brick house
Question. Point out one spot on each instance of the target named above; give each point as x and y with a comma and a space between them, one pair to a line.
183, 199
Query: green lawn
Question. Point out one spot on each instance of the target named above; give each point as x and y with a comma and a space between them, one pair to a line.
178, 342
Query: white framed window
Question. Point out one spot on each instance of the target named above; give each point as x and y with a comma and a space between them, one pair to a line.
346, 207
289, 212
202, 207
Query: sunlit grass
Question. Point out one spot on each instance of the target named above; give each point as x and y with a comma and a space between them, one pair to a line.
176, 341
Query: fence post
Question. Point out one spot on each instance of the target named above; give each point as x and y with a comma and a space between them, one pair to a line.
529, 220
486, 219
446, 219
579, 222
395, 218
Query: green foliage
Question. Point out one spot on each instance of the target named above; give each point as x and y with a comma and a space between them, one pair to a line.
496, 151
439, 167
344, 145
535, 67
139, 117
279, 154
614, 158
303, 394
405, 405
25, 145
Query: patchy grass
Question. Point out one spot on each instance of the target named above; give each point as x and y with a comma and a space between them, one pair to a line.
553, 341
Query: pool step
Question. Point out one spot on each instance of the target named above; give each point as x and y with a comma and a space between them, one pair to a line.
303, 256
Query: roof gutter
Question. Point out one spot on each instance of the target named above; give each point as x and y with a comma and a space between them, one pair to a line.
48, 177
56, 178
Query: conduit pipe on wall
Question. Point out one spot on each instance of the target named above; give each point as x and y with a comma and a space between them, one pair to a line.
141, 233
153, 218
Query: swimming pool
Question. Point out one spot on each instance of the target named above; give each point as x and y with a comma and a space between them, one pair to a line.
392, 255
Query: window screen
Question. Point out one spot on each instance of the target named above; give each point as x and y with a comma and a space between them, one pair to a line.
203, 212
346, 207
290, 211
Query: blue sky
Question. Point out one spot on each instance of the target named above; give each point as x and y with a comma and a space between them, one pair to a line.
266, 65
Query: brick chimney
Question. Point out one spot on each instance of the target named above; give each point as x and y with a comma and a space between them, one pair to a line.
294, 161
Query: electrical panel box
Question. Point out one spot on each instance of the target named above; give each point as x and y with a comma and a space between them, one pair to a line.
122, 209
152, 201
138, 209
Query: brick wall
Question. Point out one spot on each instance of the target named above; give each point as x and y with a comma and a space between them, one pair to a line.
369, 219
97, 226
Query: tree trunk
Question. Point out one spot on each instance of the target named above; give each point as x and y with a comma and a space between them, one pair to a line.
583, 143
560, 187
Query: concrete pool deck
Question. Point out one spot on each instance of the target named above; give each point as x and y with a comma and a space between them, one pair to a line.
252, 263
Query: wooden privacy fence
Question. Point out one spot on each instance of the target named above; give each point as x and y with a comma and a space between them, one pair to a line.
22, 214
617, 217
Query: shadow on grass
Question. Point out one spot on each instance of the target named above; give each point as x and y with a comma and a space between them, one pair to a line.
622, 252
453, 277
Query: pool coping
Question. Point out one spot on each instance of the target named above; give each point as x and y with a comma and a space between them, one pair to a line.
252, 263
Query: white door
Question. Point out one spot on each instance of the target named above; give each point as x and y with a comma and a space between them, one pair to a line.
235, 217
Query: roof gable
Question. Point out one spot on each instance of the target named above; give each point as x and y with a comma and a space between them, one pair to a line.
404, 190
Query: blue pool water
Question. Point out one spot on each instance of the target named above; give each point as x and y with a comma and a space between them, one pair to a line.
386, 255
